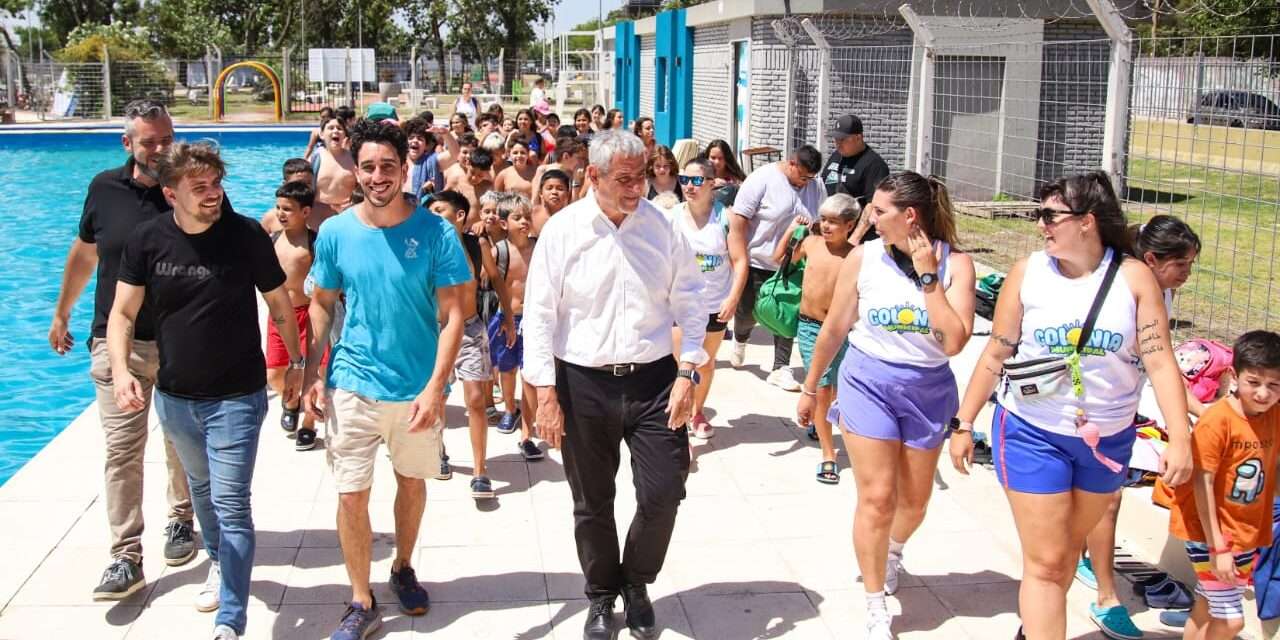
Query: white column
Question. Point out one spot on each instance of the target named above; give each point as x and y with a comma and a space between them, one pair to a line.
1118, 83
924, 114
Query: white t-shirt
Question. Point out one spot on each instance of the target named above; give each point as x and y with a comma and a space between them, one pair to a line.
711, 247
769, 203
468, 108
893, 323
537, 96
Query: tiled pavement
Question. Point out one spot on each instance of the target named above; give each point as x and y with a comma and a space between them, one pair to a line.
760, 549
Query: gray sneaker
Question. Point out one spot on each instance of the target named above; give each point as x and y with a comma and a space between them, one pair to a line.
179, 542
358, 622
122, 579
223, 632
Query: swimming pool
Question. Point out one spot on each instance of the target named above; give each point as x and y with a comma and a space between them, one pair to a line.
44, 178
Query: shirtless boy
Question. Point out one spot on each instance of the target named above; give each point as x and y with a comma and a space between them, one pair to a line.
474, 367
823, 251
517, 178
513, 255
478, 182
336, 175
457, 167
295, 170
571, 158
293, 243
553, 195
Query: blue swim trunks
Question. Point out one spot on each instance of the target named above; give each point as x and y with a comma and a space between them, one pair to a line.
807, 336
505, 359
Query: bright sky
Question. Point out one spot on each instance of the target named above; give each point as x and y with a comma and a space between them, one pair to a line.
571, 13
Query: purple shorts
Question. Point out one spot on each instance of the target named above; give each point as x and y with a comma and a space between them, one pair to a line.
877, 399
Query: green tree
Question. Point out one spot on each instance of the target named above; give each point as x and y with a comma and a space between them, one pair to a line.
485, 28
135, 73
63, 16
427, 20
185, 28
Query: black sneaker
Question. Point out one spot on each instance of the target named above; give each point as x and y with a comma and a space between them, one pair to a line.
179, 542
306, 440
481, 487
414, 600
289, 418
639, 612
446, 469
529, 450
122, 579
358, 623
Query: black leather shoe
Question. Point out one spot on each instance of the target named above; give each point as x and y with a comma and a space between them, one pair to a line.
599, 620
639, 612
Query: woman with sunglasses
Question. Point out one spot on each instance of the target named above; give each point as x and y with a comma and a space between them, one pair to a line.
911, 294
704, 221
1061, 440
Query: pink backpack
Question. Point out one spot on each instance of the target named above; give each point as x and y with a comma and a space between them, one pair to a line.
1202, 363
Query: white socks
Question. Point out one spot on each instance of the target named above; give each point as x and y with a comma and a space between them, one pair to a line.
895, 547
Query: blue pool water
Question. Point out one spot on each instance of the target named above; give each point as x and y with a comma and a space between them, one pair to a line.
43, 179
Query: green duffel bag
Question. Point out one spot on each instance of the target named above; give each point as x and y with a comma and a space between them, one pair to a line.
778, 303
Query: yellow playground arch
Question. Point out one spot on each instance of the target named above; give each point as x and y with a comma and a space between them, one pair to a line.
218, 102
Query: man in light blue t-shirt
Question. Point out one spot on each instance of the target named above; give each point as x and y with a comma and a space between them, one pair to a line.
401, 269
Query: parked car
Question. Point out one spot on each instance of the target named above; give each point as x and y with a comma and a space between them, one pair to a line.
1235, 109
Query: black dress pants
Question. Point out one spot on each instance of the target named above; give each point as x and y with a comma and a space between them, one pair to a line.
600, 412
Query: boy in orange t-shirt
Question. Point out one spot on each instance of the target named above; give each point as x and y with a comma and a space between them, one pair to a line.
1224, 513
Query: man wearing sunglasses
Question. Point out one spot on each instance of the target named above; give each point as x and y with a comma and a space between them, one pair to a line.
854, 167
118, 201
768, 201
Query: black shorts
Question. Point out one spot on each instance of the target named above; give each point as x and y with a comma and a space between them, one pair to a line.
713, 324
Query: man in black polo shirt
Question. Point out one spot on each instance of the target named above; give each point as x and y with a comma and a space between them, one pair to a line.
118, 201
854, 168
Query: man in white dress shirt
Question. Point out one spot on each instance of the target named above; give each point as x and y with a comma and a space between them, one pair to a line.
609, 277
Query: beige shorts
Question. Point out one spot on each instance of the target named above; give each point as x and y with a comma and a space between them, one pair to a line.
356, 425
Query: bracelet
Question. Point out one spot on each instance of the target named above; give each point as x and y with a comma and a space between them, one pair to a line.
812, 394
1215, 552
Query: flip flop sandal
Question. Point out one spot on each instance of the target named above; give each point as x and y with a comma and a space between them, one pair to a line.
828, 473
812, 432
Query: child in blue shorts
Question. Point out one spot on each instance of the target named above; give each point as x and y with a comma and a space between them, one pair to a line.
823, 251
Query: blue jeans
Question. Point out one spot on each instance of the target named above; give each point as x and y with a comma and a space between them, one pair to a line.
217, 441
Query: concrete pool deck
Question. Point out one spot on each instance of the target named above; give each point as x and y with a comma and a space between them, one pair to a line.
760, 549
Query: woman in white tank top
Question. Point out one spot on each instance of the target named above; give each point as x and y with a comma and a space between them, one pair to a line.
1059, 447
911, 294
702, 220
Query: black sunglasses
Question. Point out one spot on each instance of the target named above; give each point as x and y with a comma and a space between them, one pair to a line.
694, 180
1050, 216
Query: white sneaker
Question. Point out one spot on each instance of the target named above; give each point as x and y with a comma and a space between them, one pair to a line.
782, 379
207, 599
891, 569
223, 632
879, 625
739, 354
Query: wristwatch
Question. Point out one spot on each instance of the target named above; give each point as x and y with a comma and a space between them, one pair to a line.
691, 374
959, 426
298, 365
927, 279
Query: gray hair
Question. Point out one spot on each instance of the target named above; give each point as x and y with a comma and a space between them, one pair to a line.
609, 143
493, 142
843, 205
509, 203
145, 108
492, 197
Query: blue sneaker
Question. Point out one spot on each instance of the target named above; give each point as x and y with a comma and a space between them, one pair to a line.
1168, 594
1114, 622
1085, 575
1174, 618
358, 623
507, 424
414, 600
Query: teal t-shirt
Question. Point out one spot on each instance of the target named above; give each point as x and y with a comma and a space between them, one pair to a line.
389, 276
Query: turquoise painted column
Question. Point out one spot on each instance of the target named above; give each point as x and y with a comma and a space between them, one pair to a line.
673, 78
626, 70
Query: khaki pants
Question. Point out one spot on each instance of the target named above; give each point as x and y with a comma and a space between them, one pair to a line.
126, 435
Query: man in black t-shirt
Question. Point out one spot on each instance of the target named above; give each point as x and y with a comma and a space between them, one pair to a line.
197, 269
854, 168
118, 201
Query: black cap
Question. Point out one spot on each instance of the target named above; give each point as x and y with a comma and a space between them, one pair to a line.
847, 126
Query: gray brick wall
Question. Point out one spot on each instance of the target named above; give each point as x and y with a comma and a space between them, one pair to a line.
648, 48
1073, 98
871, 77
712, 65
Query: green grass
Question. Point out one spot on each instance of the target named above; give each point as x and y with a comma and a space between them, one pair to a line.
1236, 214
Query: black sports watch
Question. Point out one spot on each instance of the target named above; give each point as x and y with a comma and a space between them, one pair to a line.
691, 374
927, 279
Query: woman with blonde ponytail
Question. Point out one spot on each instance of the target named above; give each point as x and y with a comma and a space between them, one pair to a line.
908, 296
